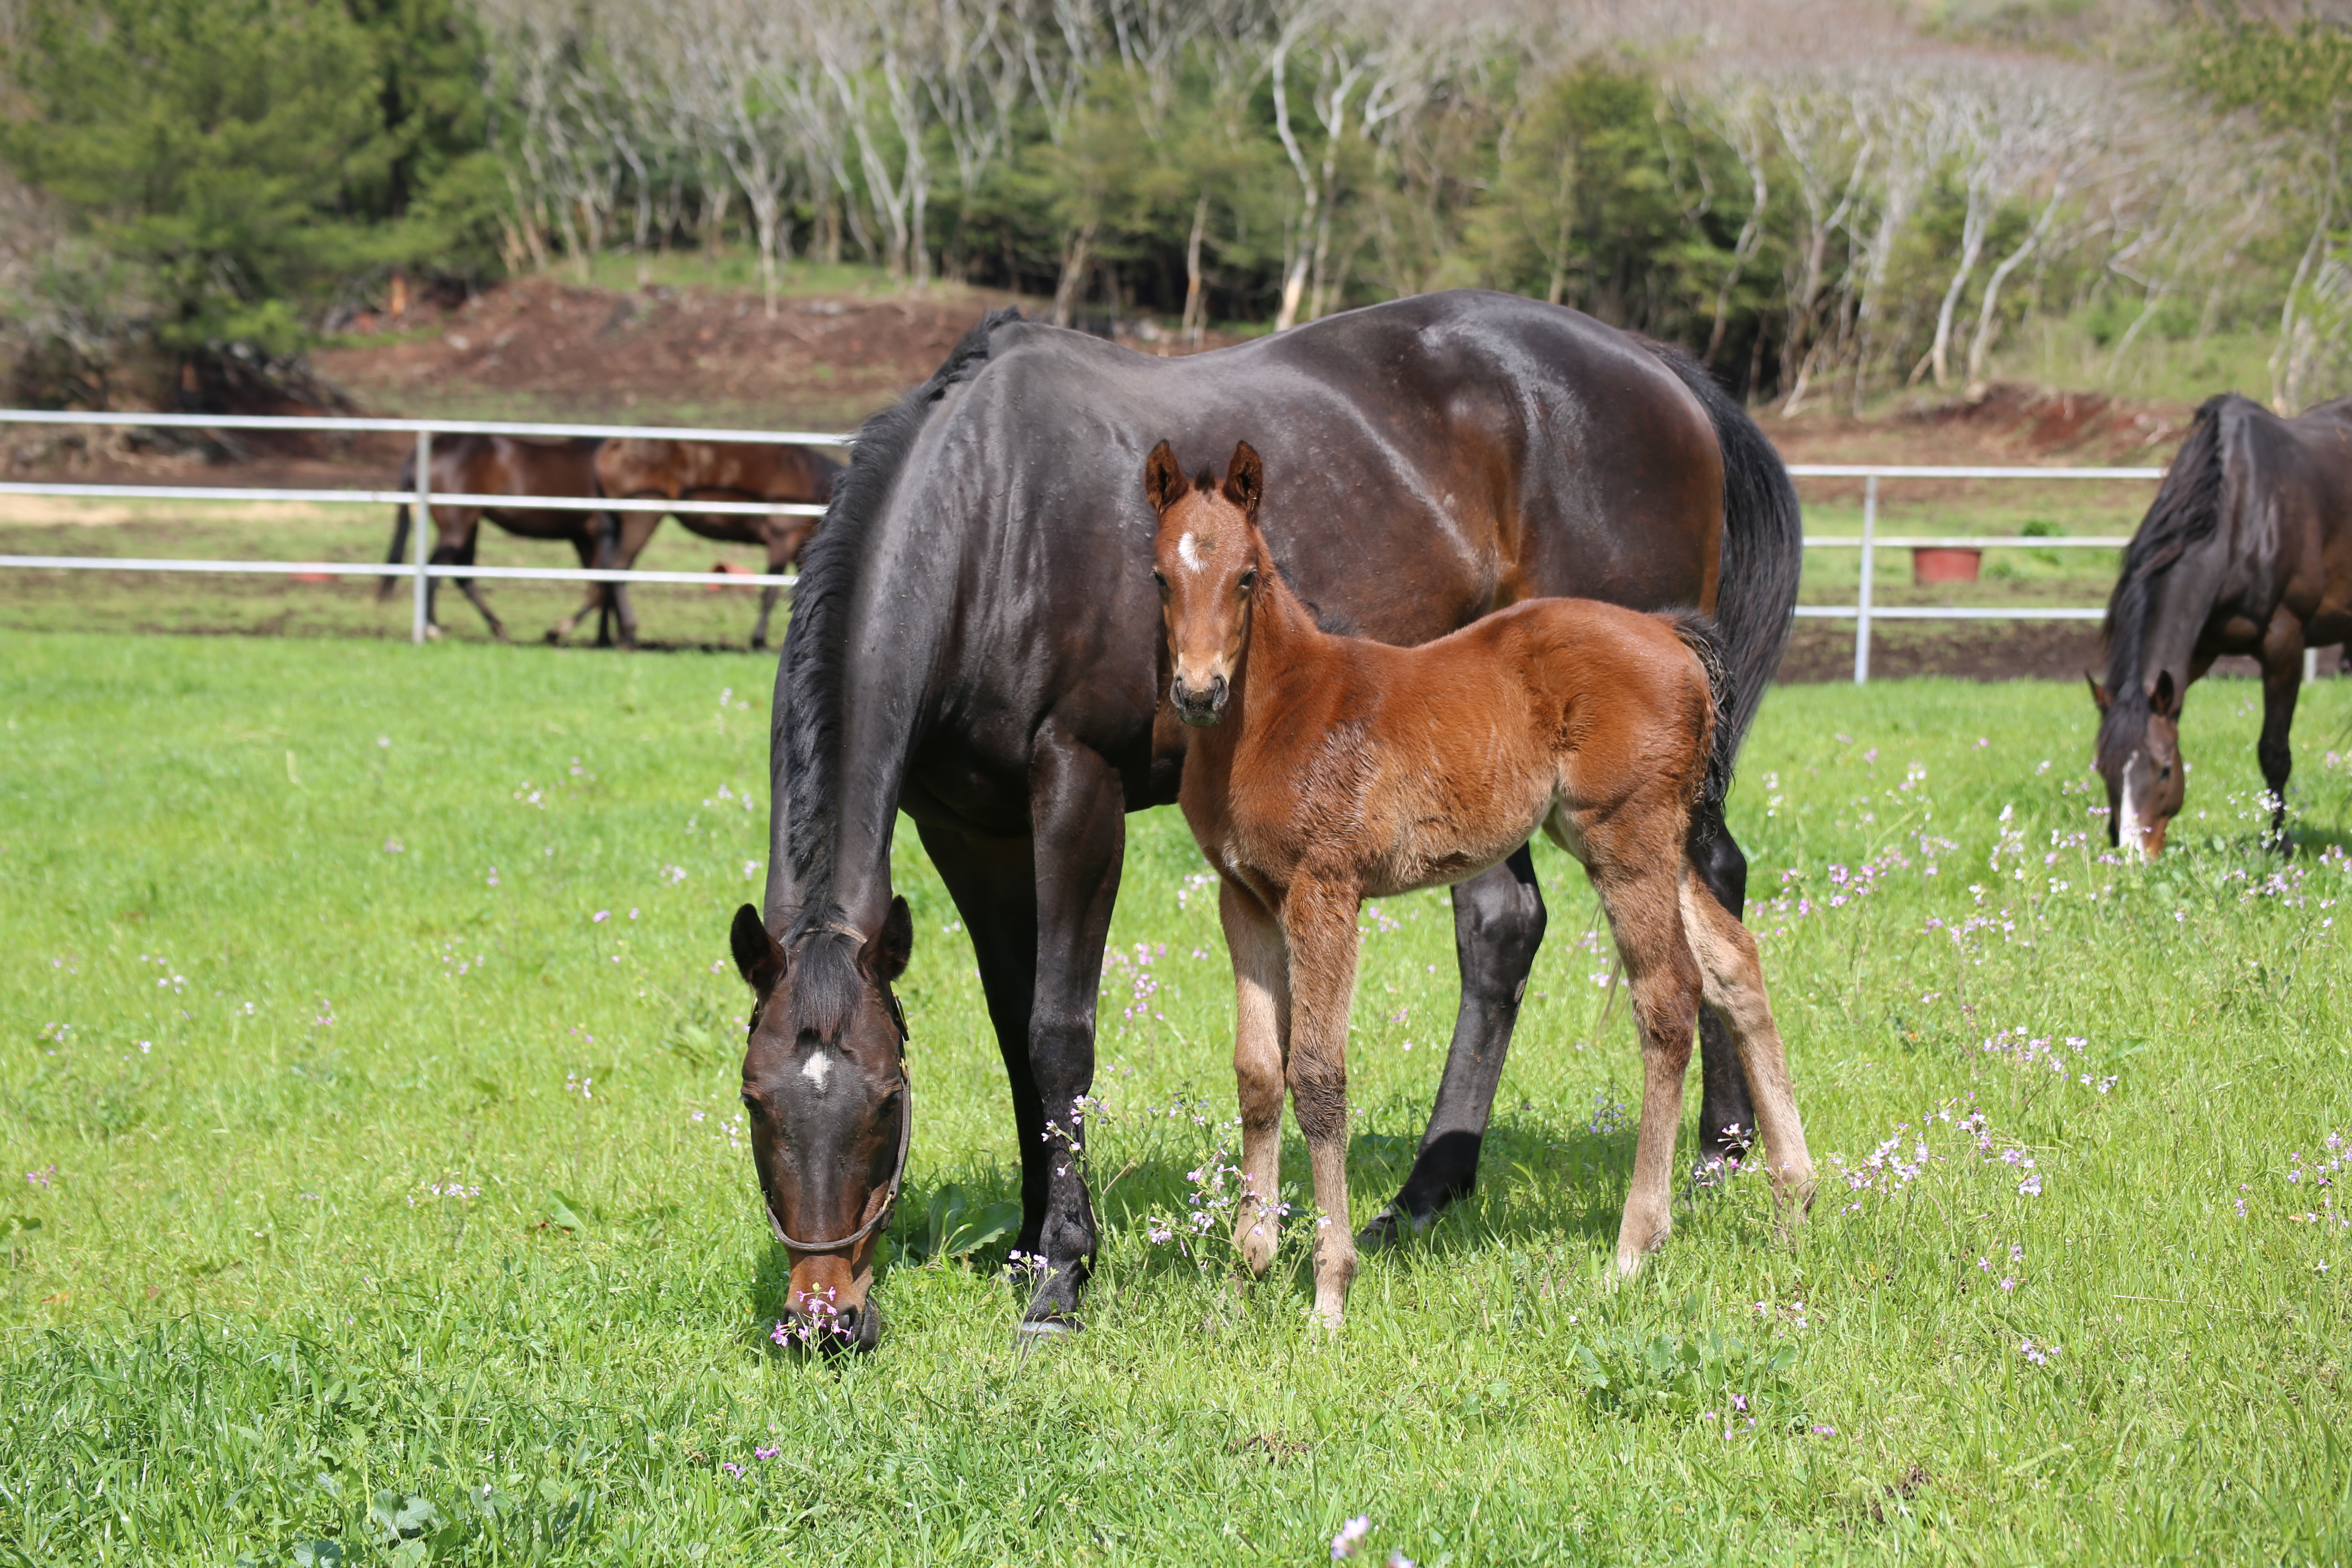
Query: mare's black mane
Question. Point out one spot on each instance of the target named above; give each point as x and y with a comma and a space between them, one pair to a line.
826, 986
2185, 513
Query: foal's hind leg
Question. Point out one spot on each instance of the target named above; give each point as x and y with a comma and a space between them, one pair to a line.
1636, 879
1734, 981
1261, 1052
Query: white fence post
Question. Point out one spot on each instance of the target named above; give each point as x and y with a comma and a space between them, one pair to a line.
426, 534
1861, 601
2310, 665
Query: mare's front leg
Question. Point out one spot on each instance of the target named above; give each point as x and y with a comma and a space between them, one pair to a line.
1261, 1053
1078, 808
585, 546
1732, 977
1498, 923
2281, 681
474, 594
1318, 921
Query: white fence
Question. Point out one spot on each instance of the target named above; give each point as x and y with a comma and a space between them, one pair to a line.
1862, 611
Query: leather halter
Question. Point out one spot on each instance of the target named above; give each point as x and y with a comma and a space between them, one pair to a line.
905, 1138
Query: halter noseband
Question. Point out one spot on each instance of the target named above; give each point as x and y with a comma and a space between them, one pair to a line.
906, 1135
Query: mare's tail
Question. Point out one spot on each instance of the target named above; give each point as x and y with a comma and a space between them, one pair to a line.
1756, 599
1704, 637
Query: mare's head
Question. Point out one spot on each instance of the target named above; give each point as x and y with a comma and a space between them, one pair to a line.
1208, 560
2139, 757
824, 1083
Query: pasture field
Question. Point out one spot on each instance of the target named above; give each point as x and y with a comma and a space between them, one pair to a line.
373, 1187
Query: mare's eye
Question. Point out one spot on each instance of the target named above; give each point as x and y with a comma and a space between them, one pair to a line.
759, 1112
1249, 580
2165, 771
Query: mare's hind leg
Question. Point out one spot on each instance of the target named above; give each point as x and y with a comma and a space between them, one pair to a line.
1727, 1110
1498, 923
2281, 682
1732, 979
1319, 922
1261, 1051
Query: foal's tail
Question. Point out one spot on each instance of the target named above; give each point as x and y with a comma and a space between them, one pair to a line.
1705, 640
1754, 605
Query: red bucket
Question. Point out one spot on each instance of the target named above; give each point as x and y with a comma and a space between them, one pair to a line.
1944, 564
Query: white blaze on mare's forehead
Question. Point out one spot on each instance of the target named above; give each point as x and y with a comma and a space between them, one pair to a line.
1187, 552
819, 1067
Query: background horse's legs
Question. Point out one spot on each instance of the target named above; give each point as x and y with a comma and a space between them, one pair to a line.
2281, 681
584, 546
1077, 806
783, 544
472, 592
624, 538
455, 530
1725, 1101
1498, 923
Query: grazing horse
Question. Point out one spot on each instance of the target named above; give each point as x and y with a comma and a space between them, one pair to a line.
1325, 770
976, 640
510, 466
2247, 549
644, 468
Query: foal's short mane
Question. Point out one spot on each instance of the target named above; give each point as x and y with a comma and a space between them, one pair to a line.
807, 726
2186, 511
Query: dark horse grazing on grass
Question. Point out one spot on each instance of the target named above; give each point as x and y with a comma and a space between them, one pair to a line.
2247, 549
508, 466
976, 640
644, 468
1326, 770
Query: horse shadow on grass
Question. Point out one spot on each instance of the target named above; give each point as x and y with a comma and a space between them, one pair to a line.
1550, 1181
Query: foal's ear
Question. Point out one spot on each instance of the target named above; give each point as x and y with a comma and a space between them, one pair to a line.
758, 959
2163, 700
2099, 694
1163, 480
886, 952
1245, 478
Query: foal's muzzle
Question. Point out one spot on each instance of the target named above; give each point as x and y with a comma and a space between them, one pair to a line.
1197, 707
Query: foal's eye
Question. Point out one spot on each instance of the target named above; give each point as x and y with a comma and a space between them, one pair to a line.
1249, 580
1160, 578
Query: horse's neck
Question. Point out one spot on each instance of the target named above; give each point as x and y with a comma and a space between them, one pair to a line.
1287, 650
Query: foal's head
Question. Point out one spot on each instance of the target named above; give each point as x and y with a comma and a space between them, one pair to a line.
1208, 560
824, 1083
2139, 757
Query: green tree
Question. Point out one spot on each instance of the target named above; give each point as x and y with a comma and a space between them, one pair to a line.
235, 151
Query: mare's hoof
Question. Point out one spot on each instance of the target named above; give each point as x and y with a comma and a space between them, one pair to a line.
554, 636
1033, 1330
1390, 1228
432, 633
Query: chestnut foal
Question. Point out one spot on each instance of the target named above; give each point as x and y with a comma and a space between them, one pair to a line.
1330, 769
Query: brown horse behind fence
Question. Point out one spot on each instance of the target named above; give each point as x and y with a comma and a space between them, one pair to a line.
510, 466
644, 468
1324, 770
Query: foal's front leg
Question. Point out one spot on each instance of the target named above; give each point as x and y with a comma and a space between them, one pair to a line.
1261, 1050
1319, 920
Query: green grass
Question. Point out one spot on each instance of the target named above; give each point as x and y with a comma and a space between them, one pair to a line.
260, 996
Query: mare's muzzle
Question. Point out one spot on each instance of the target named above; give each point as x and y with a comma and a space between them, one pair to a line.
856, 1326
1200, 707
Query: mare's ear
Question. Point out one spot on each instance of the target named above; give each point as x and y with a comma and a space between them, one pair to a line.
2164, 701
1245, 478
1164, 480
758, 959
886, 954
2099, 694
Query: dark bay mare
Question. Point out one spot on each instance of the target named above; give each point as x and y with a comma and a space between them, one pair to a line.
511, 466
646, 468
976, 640
2247, 549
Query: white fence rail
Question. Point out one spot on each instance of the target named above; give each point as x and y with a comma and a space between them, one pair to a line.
1862, 611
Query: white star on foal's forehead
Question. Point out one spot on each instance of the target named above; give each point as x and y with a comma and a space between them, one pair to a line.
1188, 550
